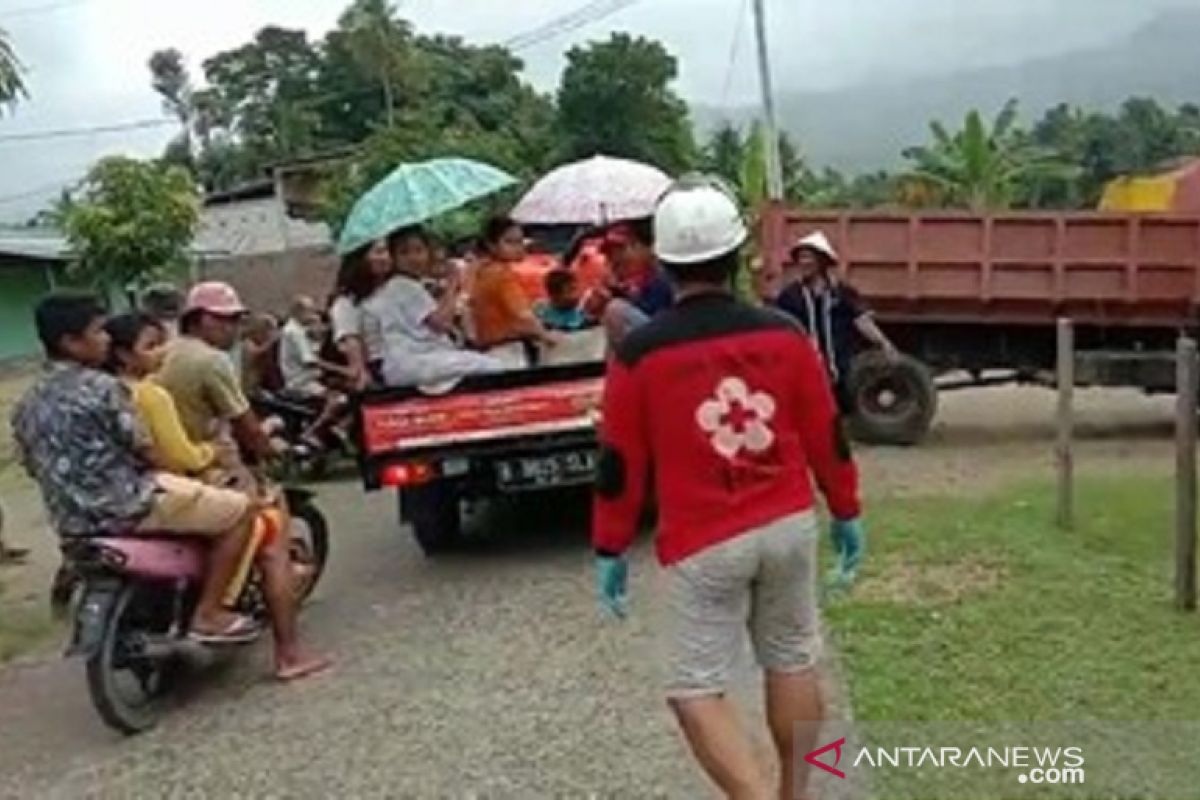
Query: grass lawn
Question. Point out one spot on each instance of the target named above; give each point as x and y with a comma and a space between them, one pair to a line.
982, 610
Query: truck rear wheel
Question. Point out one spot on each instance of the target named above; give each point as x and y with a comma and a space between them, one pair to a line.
435, 513
895, 401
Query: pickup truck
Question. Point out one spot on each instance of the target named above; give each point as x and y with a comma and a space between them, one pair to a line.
490, 436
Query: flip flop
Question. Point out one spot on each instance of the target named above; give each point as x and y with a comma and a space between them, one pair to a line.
240, 630
314, 666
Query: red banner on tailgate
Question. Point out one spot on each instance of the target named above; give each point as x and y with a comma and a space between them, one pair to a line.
434, 421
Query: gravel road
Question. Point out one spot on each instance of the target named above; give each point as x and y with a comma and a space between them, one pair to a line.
489, 674
485, 675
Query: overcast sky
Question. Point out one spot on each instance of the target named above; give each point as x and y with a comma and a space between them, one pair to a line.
87, 58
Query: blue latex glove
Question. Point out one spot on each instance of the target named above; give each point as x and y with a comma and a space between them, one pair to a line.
612, 580
850, 543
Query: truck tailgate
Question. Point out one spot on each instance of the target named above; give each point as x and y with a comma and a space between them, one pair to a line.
480, 417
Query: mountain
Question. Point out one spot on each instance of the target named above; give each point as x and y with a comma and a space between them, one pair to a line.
867, 126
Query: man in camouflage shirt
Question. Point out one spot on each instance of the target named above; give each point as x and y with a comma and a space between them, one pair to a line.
79, 437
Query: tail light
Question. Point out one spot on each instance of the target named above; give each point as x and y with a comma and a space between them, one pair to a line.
413, 473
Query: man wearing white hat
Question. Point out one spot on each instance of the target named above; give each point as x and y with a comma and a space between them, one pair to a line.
831, 311
726, 408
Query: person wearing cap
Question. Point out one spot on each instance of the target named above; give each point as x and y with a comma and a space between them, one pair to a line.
725, 407
203, 381
640, 288
831, 311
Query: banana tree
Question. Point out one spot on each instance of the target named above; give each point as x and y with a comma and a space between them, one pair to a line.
984, 166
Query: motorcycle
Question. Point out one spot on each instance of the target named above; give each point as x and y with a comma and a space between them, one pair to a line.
301, 459
134, 598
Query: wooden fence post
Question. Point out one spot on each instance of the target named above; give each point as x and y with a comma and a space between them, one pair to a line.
1066, 425
1187, 383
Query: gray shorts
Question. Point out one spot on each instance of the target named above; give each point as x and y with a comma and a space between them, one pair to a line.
763, 582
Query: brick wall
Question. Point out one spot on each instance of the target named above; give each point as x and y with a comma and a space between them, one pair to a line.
269, 282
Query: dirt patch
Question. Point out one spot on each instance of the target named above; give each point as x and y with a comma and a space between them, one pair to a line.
24, 625
13, 384
987, 439
907, 584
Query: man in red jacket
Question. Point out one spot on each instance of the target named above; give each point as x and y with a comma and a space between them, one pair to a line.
727, 408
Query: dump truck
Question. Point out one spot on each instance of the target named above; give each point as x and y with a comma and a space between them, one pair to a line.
974, 300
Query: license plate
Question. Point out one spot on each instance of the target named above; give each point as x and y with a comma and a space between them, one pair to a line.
546, 472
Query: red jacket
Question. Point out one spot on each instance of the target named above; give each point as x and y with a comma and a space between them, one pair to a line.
727, 407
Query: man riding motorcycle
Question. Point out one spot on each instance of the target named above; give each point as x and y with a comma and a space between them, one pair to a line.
201, 378
79, 437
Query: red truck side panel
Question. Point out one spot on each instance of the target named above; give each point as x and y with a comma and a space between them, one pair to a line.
496, 414
1011, 268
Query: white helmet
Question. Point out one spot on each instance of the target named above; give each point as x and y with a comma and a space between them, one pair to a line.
819, 243
697, 220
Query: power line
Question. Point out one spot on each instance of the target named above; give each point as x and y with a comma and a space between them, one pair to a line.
46, 8
38, 191
91, 130
735, 48
586, 14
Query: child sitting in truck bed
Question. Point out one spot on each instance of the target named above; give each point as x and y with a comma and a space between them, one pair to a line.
415, 329
562, 311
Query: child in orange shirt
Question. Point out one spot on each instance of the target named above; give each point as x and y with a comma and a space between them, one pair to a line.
501, 310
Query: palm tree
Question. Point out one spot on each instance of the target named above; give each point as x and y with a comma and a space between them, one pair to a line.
982, 167
723, 153
12, 84
381, 43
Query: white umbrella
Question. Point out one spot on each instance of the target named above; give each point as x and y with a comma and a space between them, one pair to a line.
593, 192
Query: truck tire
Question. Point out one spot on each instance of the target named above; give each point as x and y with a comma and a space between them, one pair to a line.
894, 401
435, 515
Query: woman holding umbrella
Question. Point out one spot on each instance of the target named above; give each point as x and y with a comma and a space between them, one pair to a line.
410, 325
415, 329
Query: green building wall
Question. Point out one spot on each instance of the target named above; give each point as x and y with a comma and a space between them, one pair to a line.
21, 286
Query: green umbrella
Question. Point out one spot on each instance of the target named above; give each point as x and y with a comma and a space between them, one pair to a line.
416, 193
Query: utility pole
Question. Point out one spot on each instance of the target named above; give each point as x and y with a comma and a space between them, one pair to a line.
770, 124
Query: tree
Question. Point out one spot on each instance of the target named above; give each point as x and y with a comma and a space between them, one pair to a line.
792, 165
12, 82
132, 222
261, 97
280, 96
381, 46
470, 102
723, 154
170, 79
53, 215
1141, 138
983, 166
616, 98
743, 162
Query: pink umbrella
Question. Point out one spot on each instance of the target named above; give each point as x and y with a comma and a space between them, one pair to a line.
596, 191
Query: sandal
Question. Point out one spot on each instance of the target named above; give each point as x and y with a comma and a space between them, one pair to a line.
240, 630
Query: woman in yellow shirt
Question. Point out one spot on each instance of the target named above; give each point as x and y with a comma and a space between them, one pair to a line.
136, 352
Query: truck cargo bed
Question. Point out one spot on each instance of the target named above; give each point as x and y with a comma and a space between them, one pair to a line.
1099, 269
